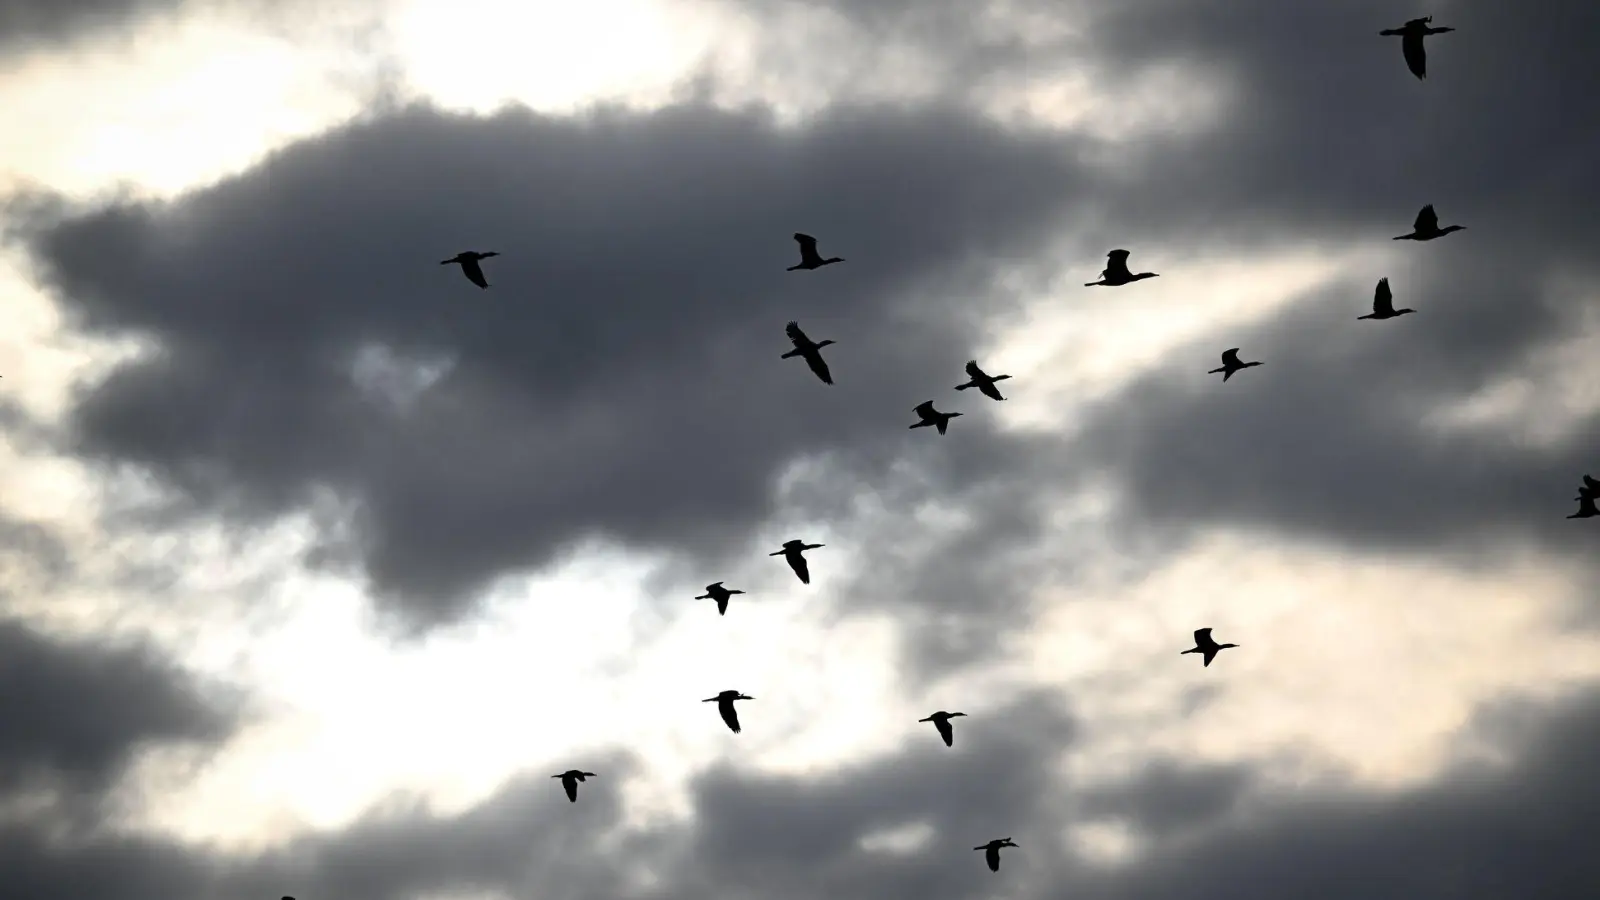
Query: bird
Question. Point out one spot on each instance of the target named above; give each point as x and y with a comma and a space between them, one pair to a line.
1231, 364
570, 779
1383, 303
809, 350
1586, 508
1590, 488
1426, 227
724, 703
931, 416
983, 381
1411, 35
992, 852
1205, 643
720, 594
792, 551
809, 257
941, 721
1116, 271
469, 265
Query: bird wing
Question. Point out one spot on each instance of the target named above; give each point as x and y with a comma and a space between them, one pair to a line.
1591, 483
1427, 219
729, 714
571, 784
991, 854
1416, 56
1230, 357
474, 272
819, 366
924, 409
801, 569
796, 336
1211, 653
973, 370
1202, 637
1382, 298
808, 247
945, 731
1117, 264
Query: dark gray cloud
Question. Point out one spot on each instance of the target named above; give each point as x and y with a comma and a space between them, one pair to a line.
26, 22
621, 377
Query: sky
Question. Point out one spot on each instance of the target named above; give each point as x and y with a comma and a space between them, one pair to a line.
318, 561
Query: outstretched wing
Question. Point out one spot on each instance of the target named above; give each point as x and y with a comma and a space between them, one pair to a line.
1591, 483
1382, 299
808, 247
796, 336
973, 370
1202, 637
924, 409
571, 784
1230, 358
729, 714
945, 731
1416, 56
1117, 264
819, 366
1427, 219
991, 855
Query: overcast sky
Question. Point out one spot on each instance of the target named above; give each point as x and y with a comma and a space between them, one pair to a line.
317, 561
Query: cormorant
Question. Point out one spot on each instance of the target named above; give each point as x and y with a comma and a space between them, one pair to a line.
1116, 271
1426, 227
1411, 35
724, 703
809, 350
570, 779
931, 416
809, 257
941, 721
1205, 643
1383, 303
720, 594
982, 381
992, 852
792, 552
1231, 364
469, 265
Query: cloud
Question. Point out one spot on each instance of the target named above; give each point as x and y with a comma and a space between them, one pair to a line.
24, 22
621, 377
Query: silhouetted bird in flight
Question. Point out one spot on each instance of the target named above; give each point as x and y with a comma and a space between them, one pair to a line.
1116, 271
991, 852
720, 594
1426, 227
941, 721
570, 779
809, 350
1411, 35
1383, 303
1586, 509
809, 257
1590, 487
931, 416
982, 381
469, 265
724, 703
792, 552
1231, 364
1205, 643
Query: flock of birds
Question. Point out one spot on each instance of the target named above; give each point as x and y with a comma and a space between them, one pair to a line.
1116, 274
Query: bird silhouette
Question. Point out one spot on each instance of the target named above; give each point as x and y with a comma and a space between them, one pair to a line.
941, 721
1590, 487
717, 592
1116, 271
810, 350
1411, 35
570, 779
792, 552
1586, 509
1426, 227
1205, 643
982, 381
931, 416
1383, 303
809, 257
1231, 364
724, 703
991, 852
468, 260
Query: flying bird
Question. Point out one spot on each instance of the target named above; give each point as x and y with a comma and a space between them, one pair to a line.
811, 351
1205, 643
1590, 487
793, 552
570, 779
931, 416
1231, 364
941, 721
1426, 227
724, 703
982, 381
1383, 303
1586, 509
720, 594
991, 852
1116, 271
469, 265
1411, 35
809, 257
